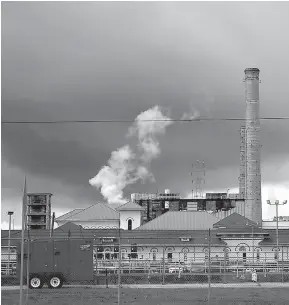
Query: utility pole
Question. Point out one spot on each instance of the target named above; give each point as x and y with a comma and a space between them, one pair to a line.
277, 203
24, 205
10, 213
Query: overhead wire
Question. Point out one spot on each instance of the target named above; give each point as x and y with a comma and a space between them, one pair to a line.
151, 120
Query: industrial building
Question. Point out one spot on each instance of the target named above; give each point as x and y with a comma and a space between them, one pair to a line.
178, 237
157, 204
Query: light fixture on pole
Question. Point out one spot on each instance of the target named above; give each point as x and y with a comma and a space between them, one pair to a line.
277, 203
10, 213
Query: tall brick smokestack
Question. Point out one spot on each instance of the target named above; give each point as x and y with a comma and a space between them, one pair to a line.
252, 147
242, 177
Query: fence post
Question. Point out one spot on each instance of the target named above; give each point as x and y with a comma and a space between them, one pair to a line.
282, 265
237, 264
119, 265
265, 274
225, 275
209, 269
164, 266
179, 268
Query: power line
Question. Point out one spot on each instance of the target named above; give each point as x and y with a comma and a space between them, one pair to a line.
132, 121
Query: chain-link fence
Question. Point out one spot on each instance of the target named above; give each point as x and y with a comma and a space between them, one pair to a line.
86, 268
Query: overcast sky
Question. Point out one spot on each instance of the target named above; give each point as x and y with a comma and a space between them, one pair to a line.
114, 60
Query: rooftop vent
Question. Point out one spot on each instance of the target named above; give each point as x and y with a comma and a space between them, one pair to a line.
185, 238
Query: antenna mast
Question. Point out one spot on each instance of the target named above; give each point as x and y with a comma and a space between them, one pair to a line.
198, 179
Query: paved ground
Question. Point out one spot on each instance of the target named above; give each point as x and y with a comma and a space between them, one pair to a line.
145, 296
173, 286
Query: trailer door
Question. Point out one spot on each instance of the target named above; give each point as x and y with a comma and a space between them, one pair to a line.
40, 256
60, 256
81, 260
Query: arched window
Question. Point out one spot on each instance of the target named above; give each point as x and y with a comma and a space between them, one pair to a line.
107, 252
154, 253
169, 254
123, 253
206, 254
129, 224
258, 254
185, 254
226, 254
243, 250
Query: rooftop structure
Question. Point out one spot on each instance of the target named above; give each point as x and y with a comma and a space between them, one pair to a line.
38, 212
157, 204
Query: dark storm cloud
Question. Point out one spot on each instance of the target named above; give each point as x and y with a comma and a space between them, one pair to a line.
97, 60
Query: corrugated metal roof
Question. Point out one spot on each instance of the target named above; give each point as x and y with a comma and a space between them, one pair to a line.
69, 226
181, 220
69, 214
235, 220
99, 211
130, 206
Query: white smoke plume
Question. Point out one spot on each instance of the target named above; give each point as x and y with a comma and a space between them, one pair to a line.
113, 177
192, 115
147, 130
126, 167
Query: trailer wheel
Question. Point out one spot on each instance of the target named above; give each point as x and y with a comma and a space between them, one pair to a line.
55, 282
35, 282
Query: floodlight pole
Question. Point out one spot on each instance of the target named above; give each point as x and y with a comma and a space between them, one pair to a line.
253, 243
9, 240
277, 203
